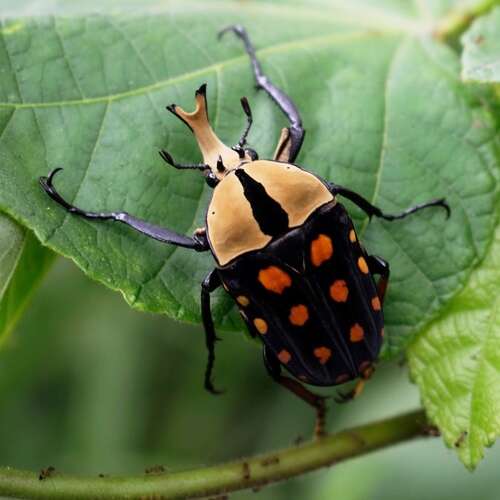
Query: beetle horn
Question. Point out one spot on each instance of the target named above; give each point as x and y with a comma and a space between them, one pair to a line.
212, 148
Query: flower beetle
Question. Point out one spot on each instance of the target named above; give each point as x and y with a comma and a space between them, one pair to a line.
285, 249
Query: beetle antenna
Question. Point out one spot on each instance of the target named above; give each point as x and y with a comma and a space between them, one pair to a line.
167, 158
248, 112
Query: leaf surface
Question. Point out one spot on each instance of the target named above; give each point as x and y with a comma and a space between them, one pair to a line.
456, 363
481, 54
23, 261
385, 111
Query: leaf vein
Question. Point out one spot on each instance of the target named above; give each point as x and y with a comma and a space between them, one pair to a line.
279, 48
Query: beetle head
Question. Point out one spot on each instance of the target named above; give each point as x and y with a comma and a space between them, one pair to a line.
219, 157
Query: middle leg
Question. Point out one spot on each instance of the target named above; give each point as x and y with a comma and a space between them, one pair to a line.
372, 210
210, 284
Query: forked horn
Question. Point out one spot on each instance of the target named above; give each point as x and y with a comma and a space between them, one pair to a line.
211, 147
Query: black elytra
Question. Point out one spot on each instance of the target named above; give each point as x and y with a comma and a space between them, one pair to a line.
286, 251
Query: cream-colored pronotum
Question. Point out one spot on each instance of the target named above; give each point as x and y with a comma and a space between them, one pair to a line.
231, 226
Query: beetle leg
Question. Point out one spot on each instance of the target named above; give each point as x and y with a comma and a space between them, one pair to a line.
290, 147
209, 284
167, 157
273, 367
345, 397
198, 242
377, 265
372, 210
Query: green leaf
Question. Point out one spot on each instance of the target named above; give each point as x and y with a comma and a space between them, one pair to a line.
23, 261
385, 111
456, 363
481, 54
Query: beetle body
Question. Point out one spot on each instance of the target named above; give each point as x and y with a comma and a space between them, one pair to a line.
285, 250
309, 296
289, 256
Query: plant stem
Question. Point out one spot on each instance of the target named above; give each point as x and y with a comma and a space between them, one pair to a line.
246, 473
459, 20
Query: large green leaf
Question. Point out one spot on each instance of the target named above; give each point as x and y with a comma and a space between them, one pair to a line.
385, 111
456, 363
481, 54
23, 261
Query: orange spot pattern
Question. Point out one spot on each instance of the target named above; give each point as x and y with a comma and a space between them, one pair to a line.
284, 356
274, 279
323, 354
339, 291
376, 304
298, 315
261, 325
242, 300
352, 236
363, 266
357, 333
321, 250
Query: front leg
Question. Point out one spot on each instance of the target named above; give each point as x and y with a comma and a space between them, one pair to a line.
198, 242
291, 140
372, 210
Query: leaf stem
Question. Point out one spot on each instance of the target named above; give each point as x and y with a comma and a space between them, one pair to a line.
453, 25
246, 473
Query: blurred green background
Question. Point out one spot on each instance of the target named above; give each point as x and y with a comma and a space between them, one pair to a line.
90, 386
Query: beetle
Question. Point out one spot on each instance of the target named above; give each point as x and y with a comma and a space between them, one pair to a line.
285, 250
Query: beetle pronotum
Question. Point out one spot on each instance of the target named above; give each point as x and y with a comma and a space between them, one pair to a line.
288, 255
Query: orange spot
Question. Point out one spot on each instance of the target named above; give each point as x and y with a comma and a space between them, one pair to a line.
357, 333
352, 236
323, 354
241, 299
284, 356
261, 325
298, 315
382, 332
342, 378
363, 266
321, 249
274, 279
376, 304
339, 291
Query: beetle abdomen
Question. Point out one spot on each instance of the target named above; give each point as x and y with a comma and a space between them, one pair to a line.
310, 297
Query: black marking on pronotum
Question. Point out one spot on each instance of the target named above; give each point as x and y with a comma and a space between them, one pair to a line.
268, 213
308, 291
